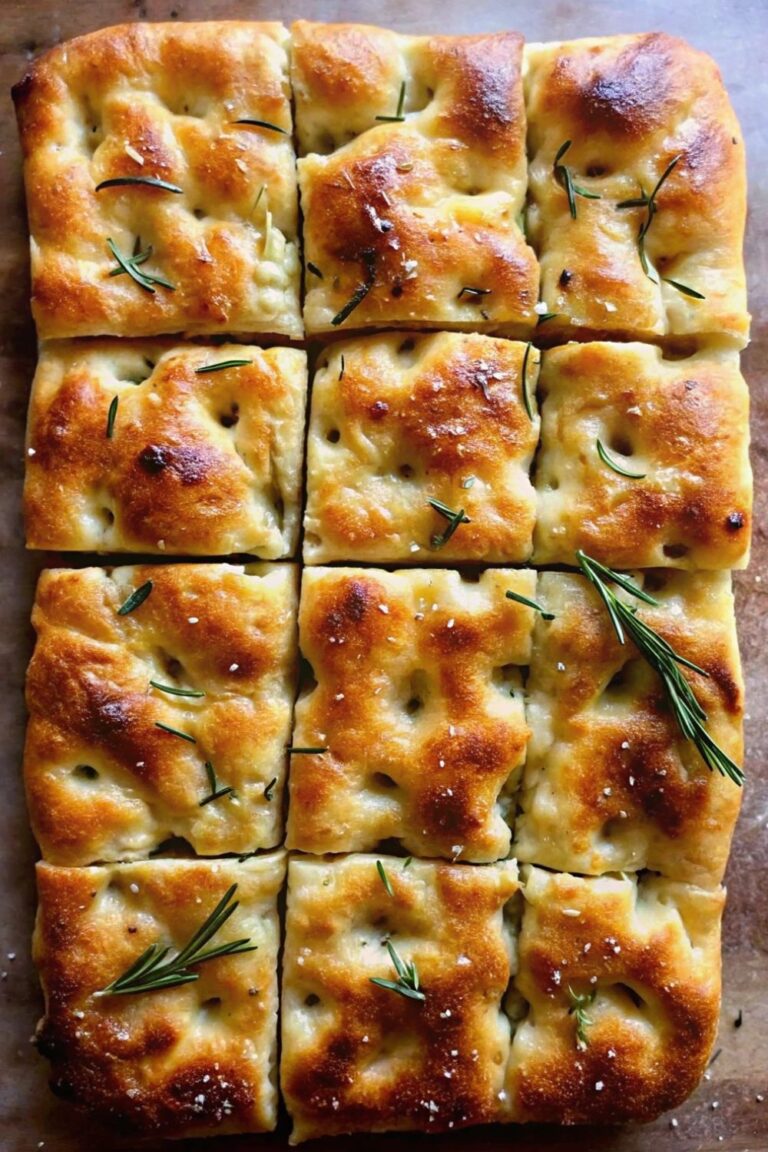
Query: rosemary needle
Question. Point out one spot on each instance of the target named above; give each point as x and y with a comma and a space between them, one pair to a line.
362, 290
613, 464
530, 604
172, 691
251, 123
130, 266
524, 382
580, 1002
439, 539
137, 597
175, 732
111, 417
269, 791
564, 177
148, 181
399, 116
222, 364
216, 793
384, 878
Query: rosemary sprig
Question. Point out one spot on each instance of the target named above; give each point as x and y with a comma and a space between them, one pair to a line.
313, 268
606, 458
530, 604
152, 971
175, 732
524, 382
476, 293
177, 691
149, 181
407, 983
580, 1002
384, 878
222, 364
399, 116
111, 417
688, 712
564, 177
137, 597
130, 266
305, 751
686, 291
439, 539
269, 791
251, 123
216, 792
360, 293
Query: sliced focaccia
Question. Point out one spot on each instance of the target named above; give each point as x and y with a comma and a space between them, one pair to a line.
644, 124
407, 431
186, 1059
610, 781
414, 727
161, 185
159, 447
366, 1049
619, 982
160, 703
412, 180
644, 461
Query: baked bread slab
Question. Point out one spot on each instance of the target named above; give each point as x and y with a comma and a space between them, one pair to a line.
189, 1060
609, 782
193, 462
357, 1057
681, 425
649, 948
398, 420
162, 101
104, 780
418, 705
629, 105
412, 180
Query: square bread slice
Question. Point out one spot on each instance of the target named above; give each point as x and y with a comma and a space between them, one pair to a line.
162, 717
630, 107
414, 727
644, 462
412, 179
610, 782
427, 1054
135, 446
620, 981
204, 108
399, 421
185, 1060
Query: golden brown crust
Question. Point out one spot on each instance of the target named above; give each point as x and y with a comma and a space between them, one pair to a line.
357, 1057
415, 209
684, 424
410, 419
419, 704
201, 464
103, 781
184, 1061
609, 781
630, 105
651, 950
160, 100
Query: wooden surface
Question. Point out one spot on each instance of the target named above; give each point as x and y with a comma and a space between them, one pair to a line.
726, 1112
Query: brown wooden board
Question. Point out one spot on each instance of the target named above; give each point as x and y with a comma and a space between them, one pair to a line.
728, 1111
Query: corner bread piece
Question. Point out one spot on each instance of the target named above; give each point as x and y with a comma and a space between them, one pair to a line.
139, 447
622, 979
416, 718
610, 783
680, 428
215, 248
399, 421
185, 1060
413, 179
630, 106
168, 720
427, 1054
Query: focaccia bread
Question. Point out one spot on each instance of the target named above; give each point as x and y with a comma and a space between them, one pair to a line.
412, 180
115, 764
188, 1060
649, 951
162, 102
138, 447
358, 1057
417, 711
630, 105
610, 783
399, 420
681, 427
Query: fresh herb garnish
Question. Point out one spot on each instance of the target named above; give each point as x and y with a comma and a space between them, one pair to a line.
269, 791
454, 519
216, 792
247, 120
580, 1002
477, 293
530, 604
400, 105
360, 293
606, 458
221, 366
408, 860
545, 317
150, 181
524, 383
564, 177
176, 691
305, 751
384, 878
313, 268
686, 291
687, 710
175, 732
341, 369
112, 416
651, 207
152, 971
130, 266
137, 597
407, 983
